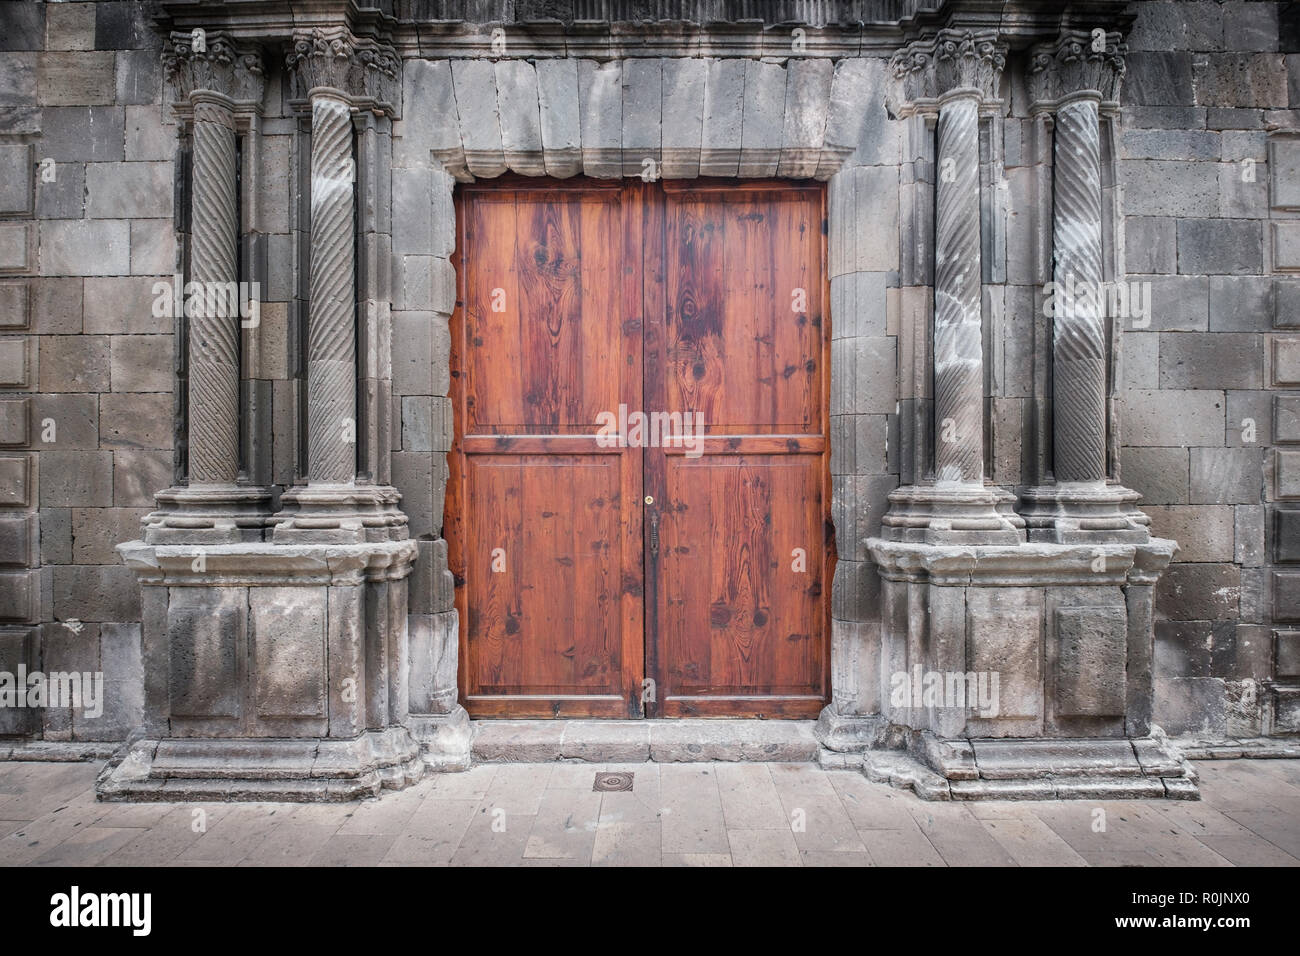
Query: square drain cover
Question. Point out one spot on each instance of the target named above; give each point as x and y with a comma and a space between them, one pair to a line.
611, 782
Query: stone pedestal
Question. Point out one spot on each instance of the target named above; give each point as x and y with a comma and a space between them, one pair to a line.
272, 672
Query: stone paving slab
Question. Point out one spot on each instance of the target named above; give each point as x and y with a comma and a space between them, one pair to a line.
677, 814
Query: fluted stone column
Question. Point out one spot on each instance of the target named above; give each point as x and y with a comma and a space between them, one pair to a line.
340, 74
1069, 80
215, 80
948, 80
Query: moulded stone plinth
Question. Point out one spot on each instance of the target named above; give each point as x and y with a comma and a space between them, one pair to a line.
272, 671
300, 770
342, 513
1084, 512
446, 740
953, 513
208, 514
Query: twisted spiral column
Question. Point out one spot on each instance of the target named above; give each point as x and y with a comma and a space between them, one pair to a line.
1079, 345
331, 336
214, 332
958, 347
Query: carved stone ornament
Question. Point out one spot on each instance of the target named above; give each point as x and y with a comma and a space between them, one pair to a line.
362, 68
214, 62
951, 60
1078, 61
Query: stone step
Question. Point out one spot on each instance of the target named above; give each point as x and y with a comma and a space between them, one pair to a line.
635, 741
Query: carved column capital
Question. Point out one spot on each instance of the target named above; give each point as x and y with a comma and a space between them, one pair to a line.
213, 62
363, 69
1077, 61
951, 60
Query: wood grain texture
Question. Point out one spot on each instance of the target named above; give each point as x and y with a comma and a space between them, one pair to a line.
663, 299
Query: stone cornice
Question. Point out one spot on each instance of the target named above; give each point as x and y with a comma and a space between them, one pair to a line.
364, 69
952, 59
213, 62
1078, 61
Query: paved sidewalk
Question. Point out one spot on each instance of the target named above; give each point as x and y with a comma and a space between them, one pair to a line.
677, 814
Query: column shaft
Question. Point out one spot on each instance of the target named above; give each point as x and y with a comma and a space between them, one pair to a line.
214, 331
331, 336
958, 344
1079, 337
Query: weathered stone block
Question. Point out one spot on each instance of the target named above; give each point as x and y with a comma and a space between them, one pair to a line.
1150, 244
205, 632
56, 306
1158, 79
1240, 79
1219, 246
76, 79
129, 190
77, 478
1173, 417
16, 363
287, 632
1199, 592
1286, 246
1248, 533
600, 95
15, 180
1180, 144
1241, 304
1091, 651
85, 247
1284, 171
96, 532
142, 363
95, 593
136, 420
433, 656
139, 76
1004, 637
557, 95
1226, 476
1211, 360
153, 247
1203, 533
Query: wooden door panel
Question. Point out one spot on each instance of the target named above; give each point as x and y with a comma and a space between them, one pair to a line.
544, 524
738, 622
741, 620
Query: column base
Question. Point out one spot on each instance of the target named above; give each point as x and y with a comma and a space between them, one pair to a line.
296, 770
446, 740
850, 734
209, 515
953, 513
339, 514
1129, 768
1084, 512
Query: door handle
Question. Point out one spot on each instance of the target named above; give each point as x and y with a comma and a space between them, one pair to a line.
654, 533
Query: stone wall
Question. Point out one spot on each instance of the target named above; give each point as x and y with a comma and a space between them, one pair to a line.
1209, 179
92, 214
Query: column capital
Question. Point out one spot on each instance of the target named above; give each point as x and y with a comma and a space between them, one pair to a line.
951, 60
363, 69
212, 62
1076, 62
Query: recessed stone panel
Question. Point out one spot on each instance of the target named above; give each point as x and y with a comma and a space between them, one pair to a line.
1286, 419
1286, 246
14, 476
16, 540
15, 179
19, 593
1286, 362
204, 636
1286, 535
1005, 638
1091, 643
1286, 595
15, 365
15, 247
1286, 466
15, 304
288, 635
1284, 171
13, 421
1287, 649
16, 647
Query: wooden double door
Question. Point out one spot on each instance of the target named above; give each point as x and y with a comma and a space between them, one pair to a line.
637, 513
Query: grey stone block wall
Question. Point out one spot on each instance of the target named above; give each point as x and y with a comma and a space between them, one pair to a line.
1207, 169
